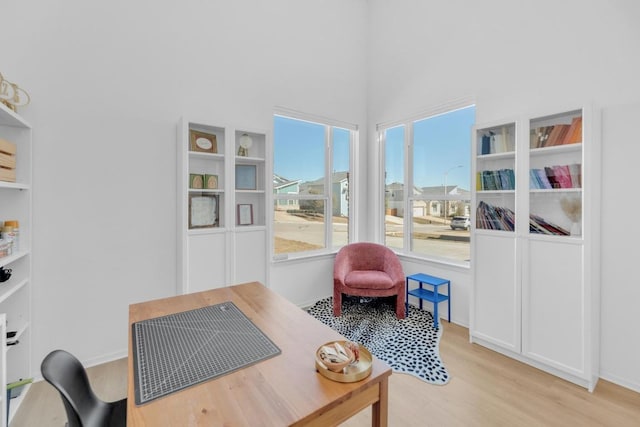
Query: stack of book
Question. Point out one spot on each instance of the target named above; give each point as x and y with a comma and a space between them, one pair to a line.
549, 136
564, 176
502, 179
491, 217
539, 225
492, 142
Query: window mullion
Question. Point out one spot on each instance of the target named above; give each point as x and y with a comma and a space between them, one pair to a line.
328, 187
382, 167
353, 168
408, 179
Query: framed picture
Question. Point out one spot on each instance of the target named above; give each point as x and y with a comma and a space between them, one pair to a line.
245, 214
245, 177
203, 210
202, 142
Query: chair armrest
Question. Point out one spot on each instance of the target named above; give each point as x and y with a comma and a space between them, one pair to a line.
341, 266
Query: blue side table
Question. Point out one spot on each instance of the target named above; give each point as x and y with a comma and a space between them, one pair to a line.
430, 295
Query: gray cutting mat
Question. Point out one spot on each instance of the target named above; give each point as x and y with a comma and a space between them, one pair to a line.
182, 349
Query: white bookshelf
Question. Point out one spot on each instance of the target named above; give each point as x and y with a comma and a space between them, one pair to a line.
233, 248
15, 293
535, 293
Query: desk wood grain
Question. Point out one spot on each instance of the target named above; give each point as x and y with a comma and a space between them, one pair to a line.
285, 390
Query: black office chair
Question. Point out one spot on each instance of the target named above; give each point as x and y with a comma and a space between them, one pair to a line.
84, 409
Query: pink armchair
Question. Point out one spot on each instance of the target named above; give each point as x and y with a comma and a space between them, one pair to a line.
368, 270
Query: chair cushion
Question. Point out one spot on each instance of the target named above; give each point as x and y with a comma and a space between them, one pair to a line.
371, 279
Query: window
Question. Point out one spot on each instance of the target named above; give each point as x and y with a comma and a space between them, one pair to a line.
427, 166
311, 178
394, 187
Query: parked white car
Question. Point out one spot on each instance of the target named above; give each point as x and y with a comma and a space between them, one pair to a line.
461, 222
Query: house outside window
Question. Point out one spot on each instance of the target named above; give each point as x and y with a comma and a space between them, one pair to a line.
311, 184
430, 155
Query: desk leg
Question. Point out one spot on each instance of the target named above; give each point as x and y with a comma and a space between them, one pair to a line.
420, 298
380, 409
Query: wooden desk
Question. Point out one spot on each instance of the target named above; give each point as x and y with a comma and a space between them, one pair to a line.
285, 390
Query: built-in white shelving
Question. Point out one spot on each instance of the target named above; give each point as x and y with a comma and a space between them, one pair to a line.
536, 274
222, 192
15, 293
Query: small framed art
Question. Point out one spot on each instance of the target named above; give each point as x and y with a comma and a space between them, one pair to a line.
245, 177
203, 210
245, 214
202, 142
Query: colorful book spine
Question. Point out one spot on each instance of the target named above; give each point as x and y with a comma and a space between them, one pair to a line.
485, 147
543, 179
539, 225
492, 180
557, 135
489, 217
575, 170
563, 176
560, 134
574, 134
557, 176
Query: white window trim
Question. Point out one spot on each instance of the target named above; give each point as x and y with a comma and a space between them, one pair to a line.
313, 118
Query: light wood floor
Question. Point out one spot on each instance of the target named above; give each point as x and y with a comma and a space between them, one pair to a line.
486, 389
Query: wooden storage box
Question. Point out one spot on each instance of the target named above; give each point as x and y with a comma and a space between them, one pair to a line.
7, 147
7, 161
7, 175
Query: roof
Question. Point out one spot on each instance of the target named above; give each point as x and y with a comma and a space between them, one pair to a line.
281, 182
440, 190
336, 177
431, 192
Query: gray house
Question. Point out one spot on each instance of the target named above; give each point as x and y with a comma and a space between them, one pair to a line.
339, 191
428, 201
394, 200
454, 207
284, 186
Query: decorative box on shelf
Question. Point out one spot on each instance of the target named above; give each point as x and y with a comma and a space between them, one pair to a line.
210, 182
7, 161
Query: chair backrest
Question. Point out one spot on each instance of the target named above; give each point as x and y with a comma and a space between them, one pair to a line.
365, 256
63, 371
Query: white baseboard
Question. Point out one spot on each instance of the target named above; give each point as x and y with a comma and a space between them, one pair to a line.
109, 357
622, 382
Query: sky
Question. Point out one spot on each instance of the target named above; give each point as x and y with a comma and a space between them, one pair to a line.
299, 149
441, 144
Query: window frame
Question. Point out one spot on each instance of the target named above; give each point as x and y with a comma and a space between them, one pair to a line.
408, 174
326, 197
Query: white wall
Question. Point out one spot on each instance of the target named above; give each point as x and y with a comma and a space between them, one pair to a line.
109, 82
513, 58
620, 291
303, 281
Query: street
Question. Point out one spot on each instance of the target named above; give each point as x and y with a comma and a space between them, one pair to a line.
435, 239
